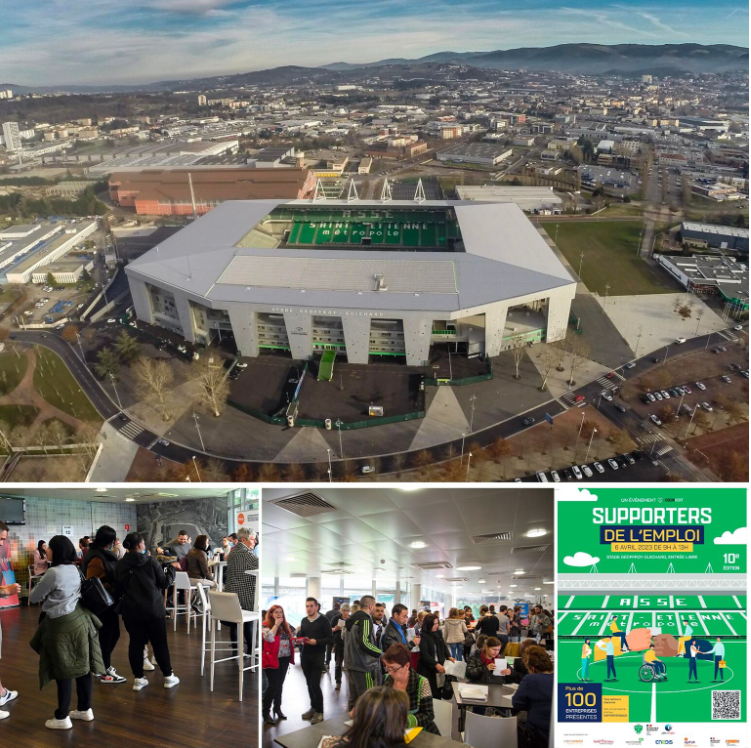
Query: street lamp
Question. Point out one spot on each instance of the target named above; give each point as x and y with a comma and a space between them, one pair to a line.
80, 348
339, 426
112, 377
581, 262
331, 476
469, 460
579, 433
195, 418
472, 416
461, 459
195, 465
591, 439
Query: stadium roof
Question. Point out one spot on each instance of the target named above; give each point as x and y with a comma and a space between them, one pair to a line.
503, 257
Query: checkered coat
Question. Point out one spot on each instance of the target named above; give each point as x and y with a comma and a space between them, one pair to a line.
240, 559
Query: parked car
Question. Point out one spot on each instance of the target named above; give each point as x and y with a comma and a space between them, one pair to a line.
567, 474
630, 365
674, 392
554, 475
687, 389
541, 477
587, 471
665, 394
241, 365
598, 467
163, 442
620, 407
680, 341
658, 396
651, 397
726, 378
367, 469
706, 406
613, 464
629, 459
607, 396
577, 473
655, 420
701, 386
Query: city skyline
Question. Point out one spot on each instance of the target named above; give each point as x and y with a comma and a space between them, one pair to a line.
175, 39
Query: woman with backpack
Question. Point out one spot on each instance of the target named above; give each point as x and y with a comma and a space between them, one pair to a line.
100, 561
66, 638
143, 582
455, 632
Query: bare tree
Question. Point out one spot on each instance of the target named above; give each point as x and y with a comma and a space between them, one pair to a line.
212, 382
548, 357
214, 470
517, 354
87, 440
621, 441
398, 463
295, 473
579, 352
499, 449
157, 376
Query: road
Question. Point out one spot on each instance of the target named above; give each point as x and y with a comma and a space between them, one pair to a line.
673, 462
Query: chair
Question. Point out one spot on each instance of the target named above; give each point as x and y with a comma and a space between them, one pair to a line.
225, 606
183, 583
490, 732
444, 712
32, 578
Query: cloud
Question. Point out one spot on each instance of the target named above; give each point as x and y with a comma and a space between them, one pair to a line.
575, 494
738, 537
580, 558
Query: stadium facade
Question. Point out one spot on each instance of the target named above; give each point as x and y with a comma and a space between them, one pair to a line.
362, 278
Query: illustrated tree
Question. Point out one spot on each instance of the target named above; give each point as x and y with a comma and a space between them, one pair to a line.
214, 470
269, 473
127, 347
422, 459
454, 472
212, 384
108, 364
156, 376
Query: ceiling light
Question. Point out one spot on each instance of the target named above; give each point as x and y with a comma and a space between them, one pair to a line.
513, 585
130, 498
519, 571
101, 489
440, 576
548, 582
418, 544
481, 581
290, 558
536, 533
468, 568
537, 589
410, 488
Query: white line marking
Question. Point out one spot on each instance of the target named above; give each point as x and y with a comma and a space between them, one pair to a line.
727, 623
653, 717
570, 600
605, 602
576, 630
701, 601
737, 601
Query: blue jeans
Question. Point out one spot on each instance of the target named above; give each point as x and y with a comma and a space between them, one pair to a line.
692, 668
503, 639
658, 667
611, 665
457, 649
717, 668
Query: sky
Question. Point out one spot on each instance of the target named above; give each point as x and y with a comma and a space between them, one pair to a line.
54, 42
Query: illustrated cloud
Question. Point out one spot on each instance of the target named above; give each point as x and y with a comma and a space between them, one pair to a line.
580, 558
575, 494
732, 538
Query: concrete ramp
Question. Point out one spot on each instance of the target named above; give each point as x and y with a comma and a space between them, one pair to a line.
307, 445
444, 421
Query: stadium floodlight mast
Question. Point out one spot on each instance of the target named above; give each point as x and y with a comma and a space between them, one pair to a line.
420, 192
352, 192
386, 191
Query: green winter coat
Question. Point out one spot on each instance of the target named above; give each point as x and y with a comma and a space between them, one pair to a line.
68, 646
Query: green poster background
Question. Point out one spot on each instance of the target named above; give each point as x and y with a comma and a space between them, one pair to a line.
578, 534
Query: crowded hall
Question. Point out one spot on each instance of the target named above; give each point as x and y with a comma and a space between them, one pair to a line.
407, 614
129, 616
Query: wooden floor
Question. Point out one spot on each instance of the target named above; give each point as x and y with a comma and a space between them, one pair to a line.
188, 716
295, 702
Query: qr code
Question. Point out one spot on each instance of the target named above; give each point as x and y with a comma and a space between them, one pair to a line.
726, 704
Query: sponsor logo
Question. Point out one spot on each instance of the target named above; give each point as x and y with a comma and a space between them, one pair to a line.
638, 729
732, 742
686, 741
603, 741
639, 742
714, 741
652, 728
663, 742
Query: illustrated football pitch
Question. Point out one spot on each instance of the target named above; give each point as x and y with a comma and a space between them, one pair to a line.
675, 700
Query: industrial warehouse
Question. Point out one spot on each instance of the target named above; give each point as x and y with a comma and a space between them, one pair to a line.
357, 278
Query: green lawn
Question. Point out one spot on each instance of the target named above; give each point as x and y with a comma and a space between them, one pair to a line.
57, 386
12, 370
610, 257
18, 415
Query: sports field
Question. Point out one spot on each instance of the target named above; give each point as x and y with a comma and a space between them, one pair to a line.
389, 229
674, 699
610, 257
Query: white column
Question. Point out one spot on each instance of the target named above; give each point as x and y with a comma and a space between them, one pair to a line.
357, 338
314, 588
397, 593
141, 300
495, 324
244, 329
415, 590
300, 334
184, 312
559, 309
417, 340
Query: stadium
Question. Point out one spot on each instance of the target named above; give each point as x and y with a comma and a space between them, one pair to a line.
356, 278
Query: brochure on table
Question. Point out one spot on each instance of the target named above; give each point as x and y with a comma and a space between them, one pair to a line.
651, 616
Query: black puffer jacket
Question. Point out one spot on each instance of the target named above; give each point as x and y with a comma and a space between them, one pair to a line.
142, 582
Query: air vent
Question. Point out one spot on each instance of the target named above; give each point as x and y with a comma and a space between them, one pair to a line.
529, 549
305, 504
526, 576
435, 565
299, 575
497, 536
338, 572
456, 579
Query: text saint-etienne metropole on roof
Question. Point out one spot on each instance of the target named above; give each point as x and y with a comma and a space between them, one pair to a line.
433, 255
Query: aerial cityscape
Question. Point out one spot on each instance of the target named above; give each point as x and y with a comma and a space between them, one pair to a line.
357, 256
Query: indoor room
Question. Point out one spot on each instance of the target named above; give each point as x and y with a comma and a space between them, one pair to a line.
445, 593
121, 590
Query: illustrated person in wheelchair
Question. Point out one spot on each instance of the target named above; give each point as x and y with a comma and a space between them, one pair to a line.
651, 667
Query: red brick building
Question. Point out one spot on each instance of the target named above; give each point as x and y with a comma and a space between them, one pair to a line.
166, 192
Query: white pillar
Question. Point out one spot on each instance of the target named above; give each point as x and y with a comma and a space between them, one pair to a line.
397, 593
185, 313
415, 591
244, 329
141, 300
559, 310
300, 334
417, 340
357, 338
374, 588
495, 324
314, 588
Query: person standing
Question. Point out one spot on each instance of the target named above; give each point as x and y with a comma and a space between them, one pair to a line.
380, 621
688, 632
586, 654
101, 562
362, 656
339, 622
143, 582
488, 624
514, 626
317, 635
693, 651
503, 627
454, 632
242, 559
278, 655
433, 653
333, 616
618, 633
40, 559
66, 639
396, 630
719, 656
7, 590
606, 645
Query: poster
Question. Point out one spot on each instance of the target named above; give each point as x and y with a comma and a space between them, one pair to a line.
651, 617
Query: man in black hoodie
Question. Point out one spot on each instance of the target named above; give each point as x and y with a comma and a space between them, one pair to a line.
362, 657
317, 630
